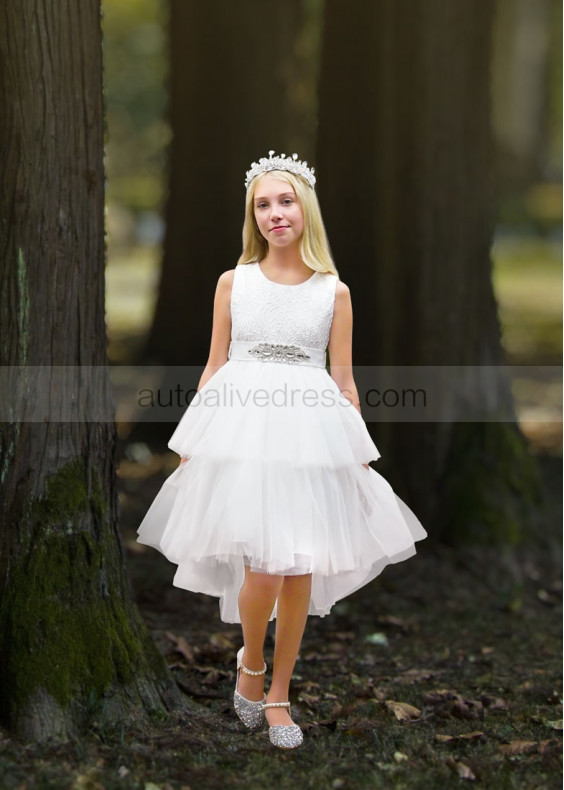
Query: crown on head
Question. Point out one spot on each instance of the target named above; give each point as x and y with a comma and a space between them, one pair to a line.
282, 162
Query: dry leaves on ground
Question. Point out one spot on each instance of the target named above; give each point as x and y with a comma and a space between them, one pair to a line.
403, 711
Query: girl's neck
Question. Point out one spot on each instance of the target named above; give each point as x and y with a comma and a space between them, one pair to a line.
287, 260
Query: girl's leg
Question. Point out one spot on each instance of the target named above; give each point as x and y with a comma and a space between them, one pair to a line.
256, 601
291, 617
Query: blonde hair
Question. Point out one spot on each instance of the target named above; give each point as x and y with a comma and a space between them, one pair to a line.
314, 244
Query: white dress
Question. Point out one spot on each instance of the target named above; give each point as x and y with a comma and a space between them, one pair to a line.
275, 477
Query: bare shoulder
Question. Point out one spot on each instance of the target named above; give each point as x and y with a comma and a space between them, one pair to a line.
225, 279
342, 297
342, 290
225, 284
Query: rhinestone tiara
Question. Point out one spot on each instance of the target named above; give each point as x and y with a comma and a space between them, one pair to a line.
281, 162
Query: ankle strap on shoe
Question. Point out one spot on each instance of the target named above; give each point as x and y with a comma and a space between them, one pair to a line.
276, 705
252, 671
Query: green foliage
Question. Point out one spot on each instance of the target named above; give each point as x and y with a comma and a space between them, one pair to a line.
135, 75
527, 279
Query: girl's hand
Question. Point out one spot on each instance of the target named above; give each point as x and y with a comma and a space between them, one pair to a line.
366, 466
183, 460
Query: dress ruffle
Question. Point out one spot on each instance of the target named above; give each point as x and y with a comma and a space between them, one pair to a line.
276, 481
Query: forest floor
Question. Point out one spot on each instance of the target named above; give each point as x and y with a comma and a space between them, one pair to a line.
444, 672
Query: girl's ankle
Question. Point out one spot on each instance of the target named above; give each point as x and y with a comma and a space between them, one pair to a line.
252, 688
253, 663
276, 696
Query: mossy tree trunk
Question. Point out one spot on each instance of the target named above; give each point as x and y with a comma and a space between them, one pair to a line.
406, 183
72, 643
242, 82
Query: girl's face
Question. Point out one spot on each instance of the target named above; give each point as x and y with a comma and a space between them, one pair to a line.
278, 213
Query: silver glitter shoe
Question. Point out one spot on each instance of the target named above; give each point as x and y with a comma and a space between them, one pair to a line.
251, 713
285, 736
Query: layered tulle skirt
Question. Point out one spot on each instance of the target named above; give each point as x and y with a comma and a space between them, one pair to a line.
275, 480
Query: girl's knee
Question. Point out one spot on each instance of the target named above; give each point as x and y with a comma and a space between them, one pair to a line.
264, 582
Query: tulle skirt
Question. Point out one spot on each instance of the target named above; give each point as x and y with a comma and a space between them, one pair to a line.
274, 480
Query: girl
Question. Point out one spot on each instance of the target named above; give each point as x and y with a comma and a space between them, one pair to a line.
274, 508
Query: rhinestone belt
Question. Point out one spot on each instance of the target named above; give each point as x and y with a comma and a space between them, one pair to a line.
276, 352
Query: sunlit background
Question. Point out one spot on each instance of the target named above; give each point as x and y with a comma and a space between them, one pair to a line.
526, 96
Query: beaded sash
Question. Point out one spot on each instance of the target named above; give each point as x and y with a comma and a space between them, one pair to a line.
276, 352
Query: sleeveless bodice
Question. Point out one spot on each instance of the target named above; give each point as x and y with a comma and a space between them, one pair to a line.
265, 311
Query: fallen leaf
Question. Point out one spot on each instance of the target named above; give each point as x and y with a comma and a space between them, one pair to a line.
308, 685
552, 744
379, 695
207, 669
493, 703
452, 704
467, 709
518, 747
211, 678
403, 711
221, 641
467, 736
440, 695
400, 757
464, 771
181, 646
309, 699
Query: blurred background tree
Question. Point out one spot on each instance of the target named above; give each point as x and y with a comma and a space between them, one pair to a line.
526, 62
72, 642
222, 77
238, 76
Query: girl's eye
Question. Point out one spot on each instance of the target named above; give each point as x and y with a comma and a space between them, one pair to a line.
286, 200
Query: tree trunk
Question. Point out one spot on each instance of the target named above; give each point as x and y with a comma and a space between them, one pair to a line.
406, 184
242, 82
72, 644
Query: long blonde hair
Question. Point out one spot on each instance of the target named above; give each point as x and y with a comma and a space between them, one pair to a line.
314, 244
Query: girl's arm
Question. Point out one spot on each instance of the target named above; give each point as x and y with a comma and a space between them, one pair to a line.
340, 346
221, 329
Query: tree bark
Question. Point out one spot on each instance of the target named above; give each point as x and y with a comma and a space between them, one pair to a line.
406, 183
72, 644
242, 82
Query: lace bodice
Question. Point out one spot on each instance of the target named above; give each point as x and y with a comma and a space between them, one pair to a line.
262, 310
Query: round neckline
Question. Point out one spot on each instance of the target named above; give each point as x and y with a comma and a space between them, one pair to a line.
285, 285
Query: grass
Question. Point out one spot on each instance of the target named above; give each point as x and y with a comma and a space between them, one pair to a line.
471, 640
